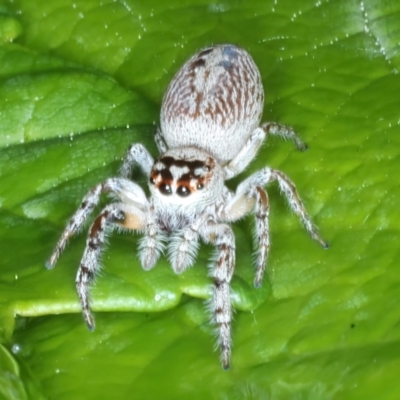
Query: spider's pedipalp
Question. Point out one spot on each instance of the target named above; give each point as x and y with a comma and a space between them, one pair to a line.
182, 250
151, 246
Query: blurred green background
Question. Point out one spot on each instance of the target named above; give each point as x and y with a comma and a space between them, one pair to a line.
81, 80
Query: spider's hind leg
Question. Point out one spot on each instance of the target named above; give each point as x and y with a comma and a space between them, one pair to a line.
285, 132
136, 154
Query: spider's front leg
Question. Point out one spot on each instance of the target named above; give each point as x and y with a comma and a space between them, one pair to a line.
130, 214
89, 202
222, 237
115, 214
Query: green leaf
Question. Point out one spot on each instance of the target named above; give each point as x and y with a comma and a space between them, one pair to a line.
80, 81
16, 383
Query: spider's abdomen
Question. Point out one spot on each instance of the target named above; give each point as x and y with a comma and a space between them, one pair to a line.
214, 102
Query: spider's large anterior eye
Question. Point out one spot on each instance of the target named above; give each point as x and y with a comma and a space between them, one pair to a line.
152, 181
183, 191
165, 189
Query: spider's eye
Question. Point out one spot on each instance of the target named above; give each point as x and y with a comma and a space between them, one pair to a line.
152, 181
165, 189
200, 186
183, 191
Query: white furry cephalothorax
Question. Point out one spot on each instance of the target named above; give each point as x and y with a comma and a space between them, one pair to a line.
210, 132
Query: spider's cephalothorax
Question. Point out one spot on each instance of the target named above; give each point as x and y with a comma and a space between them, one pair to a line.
188, 176
210, 132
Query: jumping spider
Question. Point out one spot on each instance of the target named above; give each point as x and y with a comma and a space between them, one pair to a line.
210, 132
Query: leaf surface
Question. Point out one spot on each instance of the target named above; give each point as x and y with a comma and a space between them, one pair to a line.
80, 81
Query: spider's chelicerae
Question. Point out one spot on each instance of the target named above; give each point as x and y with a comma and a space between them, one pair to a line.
210, 132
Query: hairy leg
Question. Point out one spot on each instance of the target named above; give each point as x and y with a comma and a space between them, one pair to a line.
287, 187
261, 212
284, 132
122, 188
114, 215
137, 154
222, 237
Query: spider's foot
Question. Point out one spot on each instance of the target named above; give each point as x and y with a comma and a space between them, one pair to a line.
225, 358
89, 319
51, 262
321, 241
257, 283
301, 145
325, 245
